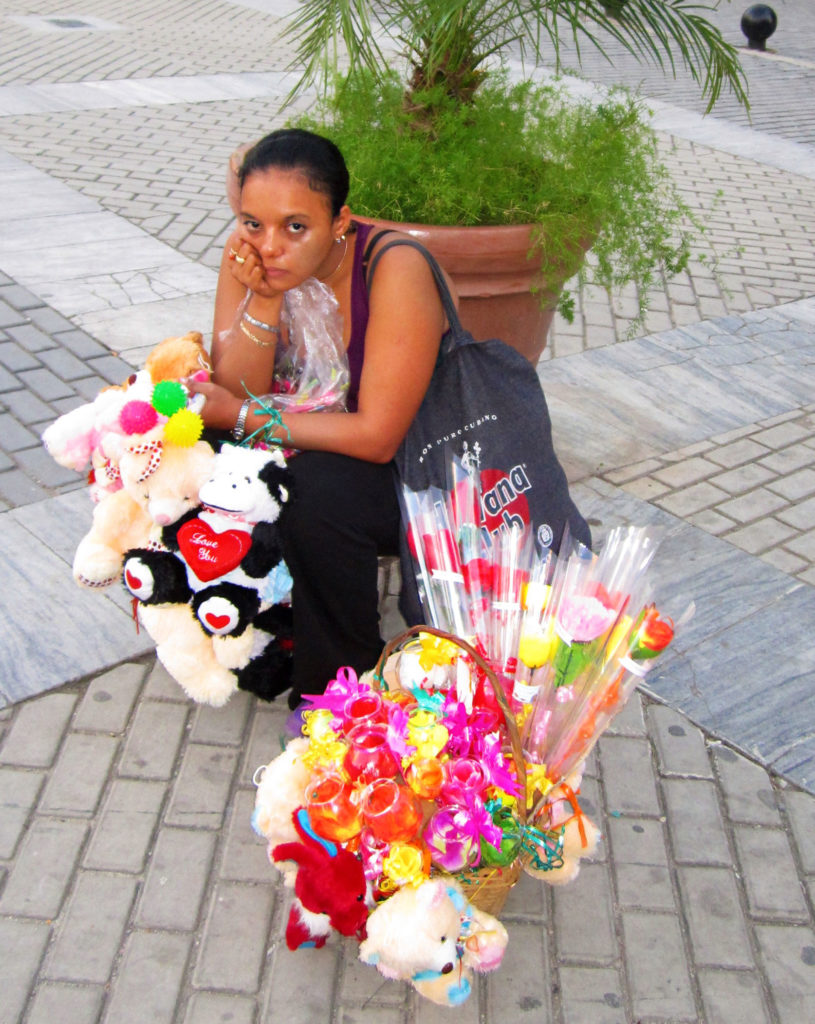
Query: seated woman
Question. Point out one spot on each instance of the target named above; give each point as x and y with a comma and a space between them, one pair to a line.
294, 224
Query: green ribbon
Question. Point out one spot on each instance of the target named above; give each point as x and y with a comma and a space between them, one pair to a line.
268, 429
544, 848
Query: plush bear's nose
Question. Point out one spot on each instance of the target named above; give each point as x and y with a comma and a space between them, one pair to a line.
447, 968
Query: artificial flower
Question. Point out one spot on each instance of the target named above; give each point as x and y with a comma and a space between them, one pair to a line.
583, 617
459, 728
406, 864
581, 620
325, 748
426, 733
494, 763
536, 647
337, 692
653, 636
537, 783
436, 650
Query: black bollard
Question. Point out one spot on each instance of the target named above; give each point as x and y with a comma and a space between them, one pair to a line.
758, 23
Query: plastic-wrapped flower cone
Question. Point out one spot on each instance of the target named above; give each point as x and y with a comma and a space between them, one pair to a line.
582, 620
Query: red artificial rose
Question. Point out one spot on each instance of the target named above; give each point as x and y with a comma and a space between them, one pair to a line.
654, 634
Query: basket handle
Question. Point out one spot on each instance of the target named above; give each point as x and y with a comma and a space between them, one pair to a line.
500, 696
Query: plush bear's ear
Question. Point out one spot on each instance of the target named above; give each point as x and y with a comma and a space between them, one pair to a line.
430, 894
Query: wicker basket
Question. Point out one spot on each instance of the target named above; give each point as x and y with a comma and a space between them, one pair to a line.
488, 887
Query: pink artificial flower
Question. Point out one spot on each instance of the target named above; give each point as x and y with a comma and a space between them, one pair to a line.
584, 618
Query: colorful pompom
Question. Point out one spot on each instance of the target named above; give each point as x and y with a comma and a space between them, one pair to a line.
183, 428
137, 417
169, 397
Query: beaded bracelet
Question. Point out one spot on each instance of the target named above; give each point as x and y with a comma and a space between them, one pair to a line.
253, 337
259, 323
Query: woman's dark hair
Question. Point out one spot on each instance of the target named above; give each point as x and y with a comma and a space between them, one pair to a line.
293, 149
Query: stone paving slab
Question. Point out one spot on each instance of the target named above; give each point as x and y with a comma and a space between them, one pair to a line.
651, 396
82, 271
23, 100
721, 671
55, 631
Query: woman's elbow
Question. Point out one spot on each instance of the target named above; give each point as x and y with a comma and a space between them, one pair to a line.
377, 446
377, 438
382, 453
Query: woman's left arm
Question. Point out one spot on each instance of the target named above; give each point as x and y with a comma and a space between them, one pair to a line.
405, 325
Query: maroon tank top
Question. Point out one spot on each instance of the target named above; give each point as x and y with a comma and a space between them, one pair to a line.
359, 315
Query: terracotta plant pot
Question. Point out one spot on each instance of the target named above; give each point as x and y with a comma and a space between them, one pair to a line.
493, 274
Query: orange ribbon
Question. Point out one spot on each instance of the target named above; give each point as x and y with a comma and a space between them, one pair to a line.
571, 796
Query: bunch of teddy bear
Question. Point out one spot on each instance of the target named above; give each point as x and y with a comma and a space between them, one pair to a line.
394, 807
192, 533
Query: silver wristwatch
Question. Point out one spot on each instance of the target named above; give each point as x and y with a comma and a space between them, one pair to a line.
239, 430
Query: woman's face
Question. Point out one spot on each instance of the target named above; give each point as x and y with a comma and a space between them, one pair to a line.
290, 225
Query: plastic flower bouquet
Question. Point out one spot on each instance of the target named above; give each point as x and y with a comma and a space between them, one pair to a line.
568, 635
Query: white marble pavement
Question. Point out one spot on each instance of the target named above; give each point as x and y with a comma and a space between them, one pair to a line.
54, 631
90, 264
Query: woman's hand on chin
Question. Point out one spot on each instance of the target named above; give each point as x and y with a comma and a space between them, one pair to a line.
221, 407
247, 268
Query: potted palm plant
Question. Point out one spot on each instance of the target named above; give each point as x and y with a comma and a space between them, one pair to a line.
441, 136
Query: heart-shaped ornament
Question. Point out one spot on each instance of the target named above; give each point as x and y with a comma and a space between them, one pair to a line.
133, 581
217, 622
211, 555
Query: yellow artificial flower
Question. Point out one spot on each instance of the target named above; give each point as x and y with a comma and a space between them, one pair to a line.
618, 634
325, 747
537, 648
536, 782
426, 733
404, 865
436, 650
501, 796
318, 724
535, 596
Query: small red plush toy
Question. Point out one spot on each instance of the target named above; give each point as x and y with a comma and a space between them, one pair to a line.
330, 889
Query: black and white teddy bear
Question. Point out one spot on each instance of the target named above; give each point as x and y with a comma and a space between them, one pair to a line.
224, 559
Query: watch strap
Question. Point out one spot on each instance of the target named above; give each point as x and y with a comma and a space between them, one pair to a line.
239, 430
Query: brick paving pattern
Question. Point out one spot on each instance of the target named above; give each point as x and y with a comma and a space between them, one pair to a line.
129, 877
162, 169
753, 487
135, 40
47, 367
758, 252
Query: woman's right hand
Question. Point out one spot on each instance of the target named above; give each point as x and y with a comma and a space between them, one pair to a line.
246, 267
221, 407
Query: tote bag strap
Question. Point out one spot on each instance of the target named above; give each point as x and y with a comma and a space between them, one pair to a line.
373, 238
457, 335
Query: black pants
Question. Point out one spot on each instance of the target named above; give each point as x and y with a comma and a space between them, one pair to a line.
343, 514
